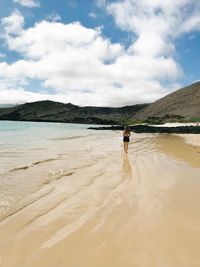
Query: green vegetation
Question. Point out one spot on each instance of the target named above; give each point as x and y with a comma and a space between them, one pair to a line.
182, 105
50, 111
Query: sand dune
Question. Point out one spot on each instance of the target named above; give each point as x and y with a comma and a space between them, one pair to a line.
136, 210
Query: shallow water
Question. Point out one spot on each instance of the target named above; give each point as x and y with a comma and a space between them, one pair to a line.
139, 210
34, 153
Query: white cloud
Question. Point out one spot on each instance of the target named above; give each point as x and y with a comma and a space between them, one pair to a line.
92, 15
27, 3
53, 16
156, 23
101, 3
2, 55
13, 24
193, 23
82, 66
20, 96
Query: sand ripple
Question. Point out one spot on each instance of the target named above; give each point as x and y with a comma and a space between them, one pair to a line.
136, 210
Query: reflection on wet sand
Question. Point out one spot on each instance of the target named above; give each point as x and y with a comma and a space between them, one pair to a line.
106, 217
174, 146
127, 167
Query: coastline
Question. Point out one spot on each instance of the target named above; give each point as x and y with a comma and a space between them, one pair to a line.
35, 154
192, 139
119, 211
148, 128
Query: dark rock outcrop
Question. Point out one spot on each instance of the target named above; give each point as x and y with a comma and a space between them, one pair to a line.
154, 129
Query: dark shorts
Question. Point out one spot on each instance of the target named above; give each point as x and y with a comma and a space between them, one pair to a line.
126, 139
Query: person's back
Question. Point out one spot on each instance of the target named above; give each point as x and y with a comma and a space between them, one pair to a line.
126, 138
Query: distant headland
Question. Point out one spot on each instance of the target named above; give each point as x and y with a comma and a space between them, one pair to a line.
182, 105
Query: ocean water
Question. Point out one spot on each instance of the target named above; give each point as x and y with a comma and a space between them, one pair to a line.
33, 154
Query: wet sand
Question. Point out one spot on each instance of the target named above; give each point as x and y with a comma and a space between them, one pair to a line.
140, 210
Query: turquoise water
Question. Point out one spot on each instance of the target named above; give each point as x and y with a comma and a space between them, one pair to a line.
24, 142
33, 134
33, 154
24, 139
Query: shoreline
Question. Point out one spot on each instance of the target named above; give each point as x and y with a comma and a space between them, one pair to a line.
37, 153
120, 211
142, 128
191, 139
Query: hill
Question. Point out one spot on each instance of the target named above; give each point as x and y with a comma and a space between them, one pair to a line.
183, 103
50, 111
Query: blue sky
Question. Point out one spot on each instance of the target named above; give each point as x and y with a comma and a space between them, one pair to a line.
103, 53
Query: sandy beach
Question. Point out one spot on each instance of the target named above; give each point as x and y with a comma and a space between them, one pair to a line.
139, 210
100, 133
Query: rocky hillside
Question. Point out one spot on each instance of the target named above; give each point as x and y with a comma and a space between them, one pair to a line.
59, 112
181, 104
184, 102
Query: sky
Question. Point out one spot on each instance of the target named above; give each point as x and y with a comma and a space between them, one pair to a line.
97, 52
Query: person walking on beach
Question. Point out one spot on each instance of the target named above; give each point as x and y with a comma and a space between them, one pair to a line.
126, 138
